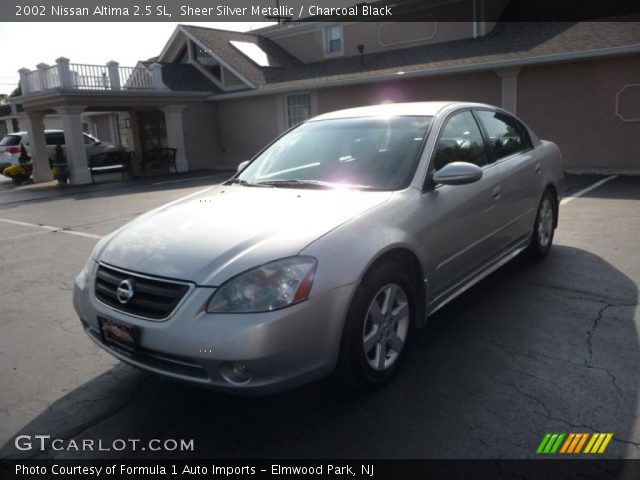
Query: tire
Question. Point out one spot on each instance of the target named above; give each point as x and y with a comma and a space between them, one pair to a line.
376, 333
544, 227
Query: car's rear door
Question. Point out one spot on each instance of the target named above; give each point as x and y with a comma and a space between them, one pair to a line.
460, 237
511, 148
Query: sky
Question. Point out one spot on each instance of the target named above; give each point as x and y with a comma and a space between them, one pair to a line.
28, 44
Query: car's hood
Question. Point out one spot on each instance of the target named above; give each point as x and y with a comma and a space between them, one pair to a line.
225, 230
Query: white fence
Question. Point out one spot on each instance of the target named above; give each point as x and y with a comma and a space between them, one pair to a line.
78, 76
132, 78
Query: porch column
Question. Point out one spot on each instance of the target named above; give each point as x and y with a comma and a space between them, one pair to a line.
175, 134
33, 124
74, 139
24, 80
509, 88
134, 125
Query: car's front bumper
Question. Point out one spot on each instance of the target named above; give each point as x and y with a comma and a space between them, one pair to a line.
280, 349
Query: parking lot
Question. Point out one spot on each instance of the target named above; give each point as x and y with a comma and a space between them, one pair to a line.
549, 347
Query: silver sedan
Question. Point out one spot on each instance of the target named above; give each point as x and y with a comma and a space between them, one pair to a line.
326, 251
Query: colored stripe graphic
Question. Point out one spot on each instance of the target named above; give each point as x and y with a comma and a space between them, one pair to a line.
573, 443
543, 443
581, 443
568, 442
555, 447
599, 442
606, 441
550, 443
594, 437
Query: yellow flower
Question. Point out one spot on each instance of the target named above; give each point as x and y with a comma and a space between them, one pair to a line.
14, 170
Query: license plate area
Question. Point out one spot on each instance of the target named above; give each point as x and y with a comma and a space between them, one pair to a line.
118, 336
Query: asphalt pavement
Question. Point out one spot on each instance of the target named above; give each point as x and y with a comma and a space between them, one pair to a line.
534, 348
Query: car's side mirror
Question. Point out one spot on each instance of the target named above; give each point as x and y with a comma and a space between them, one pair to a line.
457, 173
243, 165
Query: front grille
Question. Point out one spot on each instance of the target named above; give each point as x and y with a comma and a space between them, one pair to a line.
152, 298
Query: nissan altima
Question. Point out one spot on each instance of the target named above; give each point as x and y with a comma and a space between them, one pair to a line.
326, 251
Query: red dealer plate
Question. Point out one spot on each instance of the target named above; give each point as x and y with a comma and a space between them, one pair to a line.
117, 335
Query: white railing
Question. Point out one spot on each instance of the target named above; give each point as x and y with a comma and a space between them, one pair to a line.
89, 77
78, 76
33, 81
135, 78
52, 78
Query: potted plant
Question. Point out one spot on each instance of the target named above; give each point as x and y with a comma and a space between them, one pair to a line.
60, 170
24, 157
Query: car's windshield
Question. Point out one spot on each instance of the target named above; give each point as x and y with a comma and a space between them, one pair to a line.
378, 153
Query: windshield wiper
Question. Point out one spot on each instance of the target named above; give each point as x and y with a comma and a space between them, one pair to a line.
240, 181
296, 183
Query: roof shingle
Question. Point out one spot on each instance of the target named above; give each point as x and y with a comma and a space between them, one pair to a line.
509, 41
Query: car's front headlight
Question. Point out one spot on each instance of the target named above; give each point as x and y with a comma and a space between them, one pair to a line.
268, 287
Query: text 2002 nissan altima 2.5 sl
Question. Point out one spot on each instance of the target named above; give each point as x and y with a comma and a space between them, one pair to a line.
327, 250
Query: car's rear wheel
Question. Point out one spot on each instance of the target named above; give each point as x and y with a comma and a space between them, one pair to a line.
544, 227
377, 328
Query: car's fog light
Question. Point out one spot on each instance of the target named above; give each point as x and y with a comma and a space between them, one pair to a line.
236, 373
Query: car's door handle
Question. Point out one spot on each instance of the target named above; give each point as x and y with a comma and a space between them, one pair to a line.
538, 168
497, 192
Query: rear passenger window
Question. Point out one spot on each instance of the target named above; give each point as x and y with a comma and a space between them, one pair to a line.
506, 134
460, 141
10, 141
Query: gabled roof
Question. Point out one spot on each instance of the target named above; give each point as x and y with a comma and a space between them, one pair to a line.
218, 41
183, 77
509, 44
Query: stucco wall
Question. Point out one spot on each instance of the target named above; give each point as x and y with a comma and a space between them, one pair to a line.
246, 125
479, 87
201, 137
376, 37
573, 105
102, 128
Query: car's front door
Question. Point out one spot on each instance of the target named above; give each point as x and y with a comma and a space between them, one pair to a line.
463, 219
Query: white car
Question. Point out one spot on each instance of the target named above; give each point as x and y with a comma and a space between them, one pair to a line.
10, 145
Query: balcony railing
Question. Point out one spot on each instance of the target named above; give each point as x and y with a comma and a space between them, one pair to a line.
135, 78
89, 77
76, 76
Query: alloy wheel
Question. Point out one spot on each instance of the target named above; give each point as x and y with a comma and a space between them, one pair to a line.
386, 327
545, 222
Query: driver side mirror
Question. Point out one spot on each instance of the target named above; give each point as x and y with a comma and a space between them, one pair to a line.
457, 173
243, 165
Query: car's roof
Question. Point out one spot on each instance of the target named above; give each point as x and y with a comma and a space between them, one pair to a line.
396, 109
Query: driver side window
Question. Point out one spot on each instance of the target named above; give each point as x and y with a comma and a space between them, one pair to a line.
460, 141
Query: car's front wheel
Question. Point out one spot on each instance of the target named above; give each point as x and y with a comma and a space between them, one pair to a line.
377, 328
544, 227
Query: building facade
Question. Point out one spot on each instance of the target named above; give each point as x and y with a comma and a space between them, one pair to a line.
220, 96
